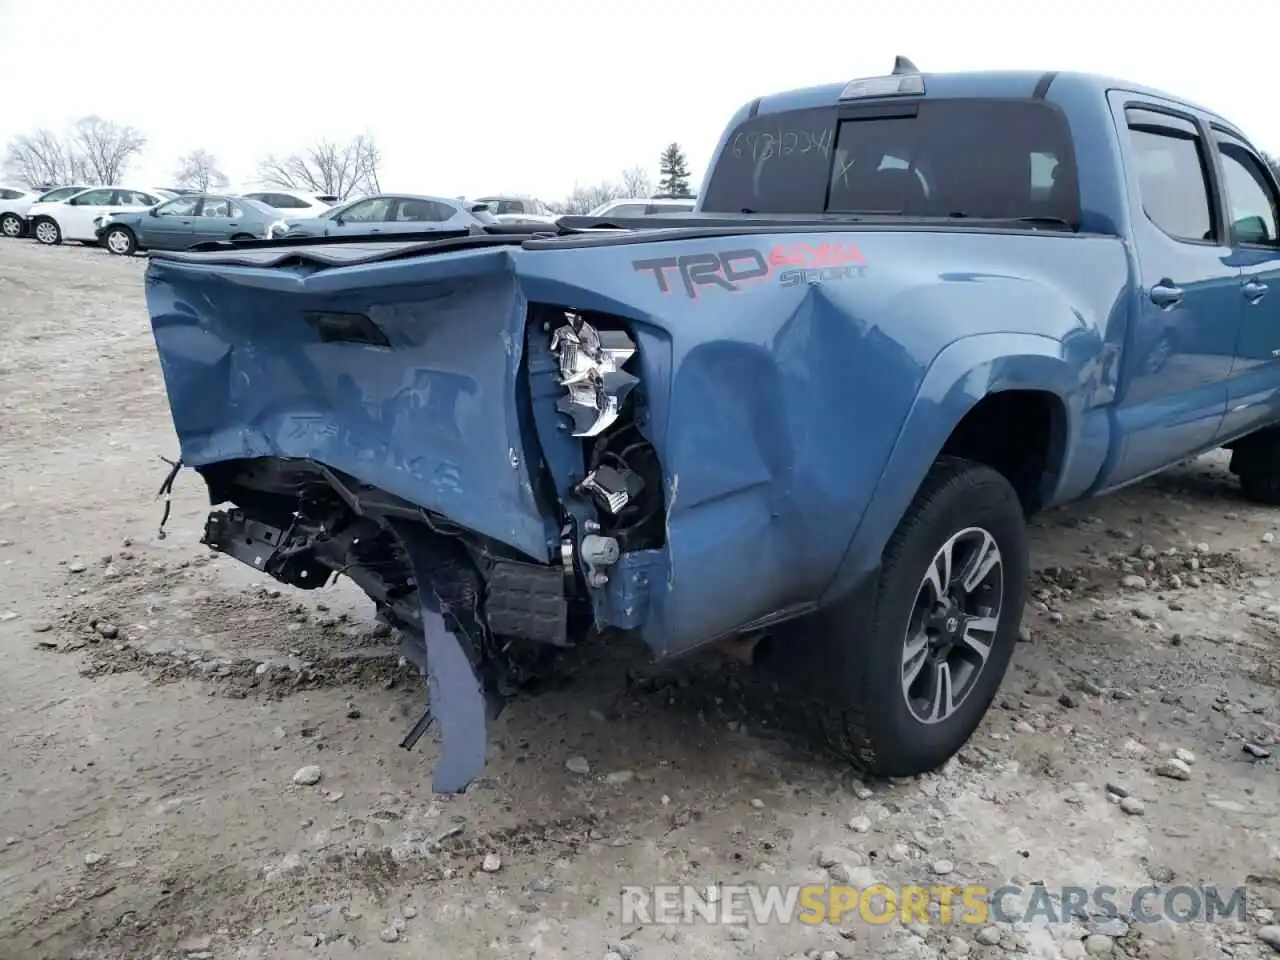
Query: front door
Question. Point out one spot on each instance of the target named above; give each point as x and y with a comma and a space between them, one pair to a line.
367, 216
1172, 392
173, 225
77, 215
1253, 214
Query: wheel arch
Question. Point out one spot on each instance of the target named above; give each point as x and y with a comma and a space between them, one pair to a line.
969, 373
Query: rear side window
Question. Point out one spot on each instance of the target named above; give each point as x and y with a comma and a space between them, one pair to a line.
1251, 199
999, 158
1172, 174
281, 201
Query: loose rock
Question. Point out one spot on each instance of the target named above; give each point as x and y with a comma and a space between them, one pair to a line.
988, 936
942, 867
308, 776
492, 863
1173, 769
1134, 582
578, 765
860, 824
1097, 945
1262, 753
1186, 756
1270, 935
389, 935
1133, 806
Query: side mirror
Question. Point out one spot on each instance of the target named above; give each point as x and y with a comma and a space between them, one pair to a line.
1252, 230
338, 221
154, 212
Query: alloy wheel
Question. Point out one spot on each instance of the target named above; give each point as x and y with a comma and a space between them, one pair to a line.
953, 625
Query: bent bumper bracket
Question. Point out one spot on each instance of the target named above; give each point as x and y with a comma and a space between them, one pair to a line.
459, 698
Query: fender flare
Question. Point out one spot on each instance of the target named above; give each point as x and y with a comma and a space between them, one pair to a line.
960, 376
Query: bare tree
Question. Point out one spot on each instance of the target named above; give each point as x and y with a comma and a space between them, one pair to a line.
368, 161
328, 167
636, 182
584, 199
106, 148
199, 170
41, 157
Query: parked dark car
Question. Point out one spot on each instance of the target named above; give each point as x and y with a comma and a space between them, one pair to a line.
392, 213
183, 221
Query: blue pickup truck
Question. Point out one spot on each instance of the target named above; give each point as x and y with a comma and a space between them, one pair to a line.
809, 418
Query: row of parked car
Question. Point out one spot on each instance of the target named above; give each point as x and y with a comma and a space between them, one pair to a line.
127, 219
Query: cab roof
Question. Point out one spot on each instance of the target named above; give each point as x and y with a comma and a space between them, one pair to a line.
985, 83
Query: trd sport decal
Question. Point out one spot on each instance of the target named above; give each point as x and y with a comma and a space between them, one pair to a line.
790, 264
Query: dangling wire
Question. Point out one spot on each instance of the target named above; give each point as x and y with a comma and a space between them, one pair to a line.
166, 491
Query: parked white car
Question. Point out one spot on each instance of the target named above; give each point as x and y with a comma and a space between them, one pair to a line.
295, 204
73, 218
642, 207
16, 201
514, 209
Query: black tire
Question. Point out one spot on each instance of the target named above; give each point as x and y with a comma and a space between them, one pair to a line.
1256, 461
46, 231
852, 658
11, 226
120, 241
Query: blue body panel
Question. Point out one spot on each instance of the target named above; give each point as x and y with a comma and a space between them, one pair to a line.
789, 420
794, 421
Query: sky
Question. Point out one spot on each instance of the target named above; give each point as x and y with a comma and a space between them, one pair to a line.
533, 96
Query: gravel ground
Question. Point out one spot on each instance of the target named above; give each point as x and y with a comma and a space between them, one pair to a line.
157, 704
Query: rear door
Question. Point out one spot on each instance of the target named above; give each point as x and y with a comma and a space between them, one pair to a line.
1253, 217
214, 221
1172, 393
413, 216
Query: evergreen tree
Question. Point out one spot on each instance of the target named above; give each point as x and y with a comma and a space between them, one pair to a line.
673, 169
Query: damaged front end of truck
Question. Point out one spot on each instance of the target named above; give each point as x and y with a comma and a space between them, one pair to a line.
480, 464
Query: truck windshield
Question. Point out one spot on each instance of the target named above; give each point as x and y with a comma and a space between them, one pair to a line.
993, 158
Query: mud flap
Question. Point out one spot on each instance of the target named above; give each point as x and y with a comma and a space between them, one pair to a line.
460, 699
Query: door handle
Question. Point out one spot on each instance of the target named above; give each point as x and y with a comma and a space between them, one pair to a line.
1254, 291
1166, 295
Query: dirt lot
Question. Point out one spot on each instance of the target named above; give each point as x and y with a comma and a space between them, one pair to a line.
157, 703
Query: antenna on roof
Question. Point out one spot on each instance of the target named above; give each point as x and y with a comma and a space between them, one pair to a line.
902, 65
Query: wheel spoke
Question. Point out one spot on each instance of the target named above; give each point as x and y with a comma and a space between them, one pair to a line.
979, 634
939, 574
981, 564
943, 703
914, 656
